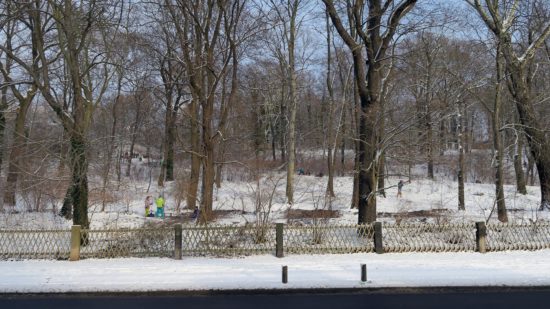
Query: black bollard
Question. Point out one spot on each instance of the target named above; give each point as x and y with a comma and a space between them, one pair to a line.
363, 272
285, 274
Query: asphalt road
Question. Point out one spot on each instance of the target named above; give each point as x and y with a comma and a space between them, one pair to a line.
469, 298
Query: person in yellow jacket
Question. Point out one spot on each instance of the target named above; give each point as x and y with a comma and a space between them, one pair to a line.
160, 207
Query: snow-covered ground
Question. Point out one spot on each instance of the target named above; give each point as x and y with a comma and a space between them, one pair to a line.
423, 200
518, 268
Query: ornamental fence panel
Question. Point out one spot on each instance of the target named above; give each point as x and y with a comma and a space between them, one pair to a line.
326, 239
158, 242
509, 236
421, 237
35, 244
321, 238
228, 240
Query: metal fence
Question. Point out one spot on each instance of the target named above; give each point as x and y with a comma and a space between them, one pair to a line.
321, 239
214, 240
228, 240
532, 236
127, 243
429, 237
35, 244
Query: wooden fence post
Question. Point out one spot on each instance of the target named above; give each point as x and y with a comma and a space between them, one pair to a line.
279, 252
178, 242
481, 237
75, 243
378, 245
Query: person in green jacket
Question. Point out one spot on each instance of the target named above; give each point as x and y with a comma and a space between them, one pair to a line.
160, 207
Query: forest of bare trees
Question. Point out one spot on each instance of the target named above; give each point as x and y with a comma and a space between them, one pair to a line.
204, 92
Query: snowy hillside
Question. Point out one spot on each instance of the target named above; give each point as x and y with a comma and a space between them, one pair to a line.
422, 201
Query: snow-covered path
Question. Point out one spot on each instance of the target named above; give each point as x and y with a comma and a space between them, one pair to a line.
518, 268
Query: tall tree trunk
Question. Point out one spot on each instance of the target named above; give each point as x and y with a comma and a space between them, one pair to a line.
131, 154
355, 119
219, 165
330, 161
429, 145
381, 174
518, 164
282, 126
368, 147
382, 159
195, 157
497, 141
79, 184
343, 142
162, 173
530, 172
18, 149
273, 142
134, 133
343, 154
355, 193
3, 110
207, 196
170, 136
368, 168
291, 161
118, 166
167, 166
442, 139
460, 173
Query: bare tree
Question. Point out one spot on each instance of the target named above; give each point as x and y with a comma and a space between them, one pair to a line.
23, 91
375, 32
75, 27
499, 17
206, 34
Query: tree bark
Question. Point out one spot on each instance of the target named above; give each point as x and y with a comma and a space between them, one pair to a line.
460, 172
330, 161
207, 196
3, 110
382, 158
18, 149
429, 145
167, 168
219, 164
530, 172
193, 187
497, 141
79, 184
518, 164
137, 121
291, 161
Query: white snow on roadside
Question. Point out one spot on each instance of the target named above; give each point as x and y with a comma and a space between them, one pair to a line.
517, 268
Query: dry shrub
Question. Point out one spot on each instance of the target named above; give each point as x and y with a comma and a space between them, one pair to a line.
96, 196
480, 168
181, 190
38, 190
